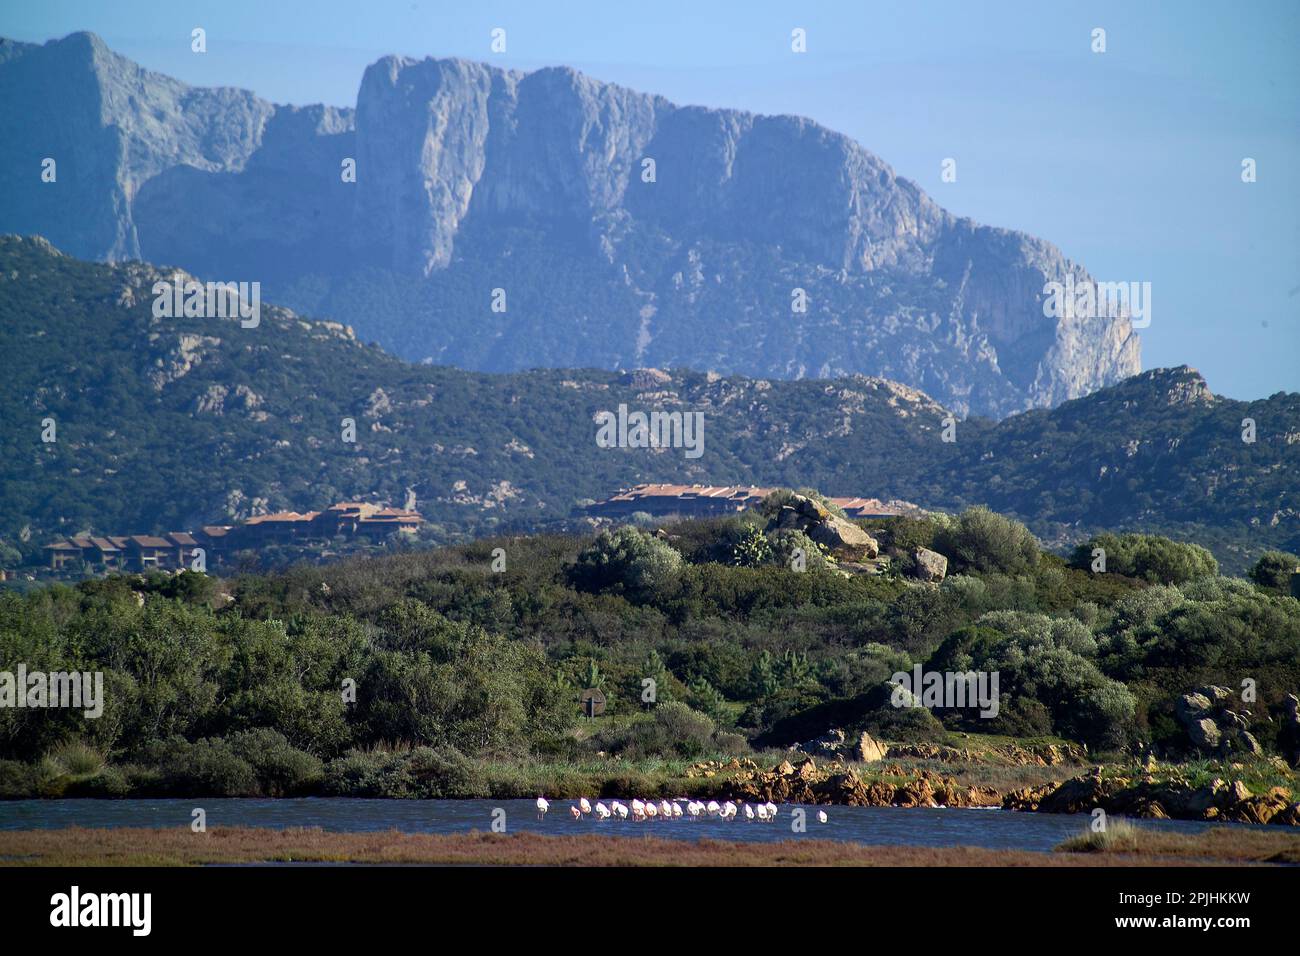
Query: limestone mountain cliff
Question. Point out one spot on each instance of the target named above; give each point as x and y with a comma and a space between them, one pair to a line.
471, 178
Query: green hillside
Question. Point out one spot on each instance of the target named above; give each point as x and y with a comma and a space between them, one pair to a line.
169, 423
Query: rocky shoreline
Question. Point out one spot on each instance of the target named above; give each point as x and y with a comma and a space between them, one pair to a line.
1153, 798
1152, 792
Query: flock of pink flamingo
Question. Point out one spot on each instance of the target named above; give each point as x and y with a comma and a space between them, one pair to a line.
640, 811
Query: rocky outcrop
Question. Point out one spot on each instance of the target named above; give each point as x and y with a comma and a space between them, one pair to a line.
829, 744
834, 745
458, 164
1169, 795
1009, 755
1204, 733
930, 566
840, 536
648, 379
837, 783
1288, 736
1150, 797
868, 749
1215, 724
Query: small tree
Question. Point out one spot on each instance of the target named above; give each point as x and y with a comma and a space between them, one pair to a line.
593, 677
10, 557
983, 541
630, 560
1274, 569
793, 668
763, 680
1148, 556
705, 698
654, 669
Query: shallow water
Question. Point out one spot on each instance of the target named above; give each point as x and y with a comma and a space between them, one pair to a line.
995, 829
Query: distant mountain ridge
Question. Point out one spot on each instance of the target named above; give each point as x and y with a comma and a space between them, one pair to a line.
471, 179
169, 423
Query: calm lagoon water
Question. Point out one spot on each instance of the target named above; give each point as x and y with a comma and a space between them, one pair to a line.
996, 829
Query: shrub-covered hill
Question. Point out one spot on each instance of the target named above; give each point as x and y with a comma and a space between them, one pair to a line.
1157, 451
167, 423
467, 679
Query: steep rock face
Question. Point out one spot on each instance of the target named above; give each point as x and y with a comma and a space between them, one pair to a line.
470, 178
111, 126
422, 128
286, 206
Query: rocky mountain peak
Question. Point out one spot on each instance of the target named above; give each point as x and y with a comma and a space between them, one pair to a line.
623, 230
1182, 385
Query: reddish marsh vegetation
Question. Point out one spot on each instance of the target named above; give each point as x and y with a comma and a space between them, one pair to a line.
180, 847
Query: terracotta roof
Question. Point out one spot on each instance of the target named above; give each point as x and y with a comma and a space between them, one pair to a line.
281, 517
729, 492
740, 495
873, 506
364, 512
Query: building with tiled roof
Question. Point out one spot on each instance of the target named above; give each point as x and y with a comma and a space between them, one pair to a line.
175, 550
62, 553
280, 526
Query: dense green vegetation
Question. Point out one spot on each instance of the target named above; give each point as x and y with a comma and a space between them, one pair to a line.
1274, 570
467, 679
156, 432
1149, 557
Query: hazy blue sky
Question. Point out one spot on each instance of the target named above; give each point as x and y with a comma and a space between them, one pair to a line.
1129, 161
